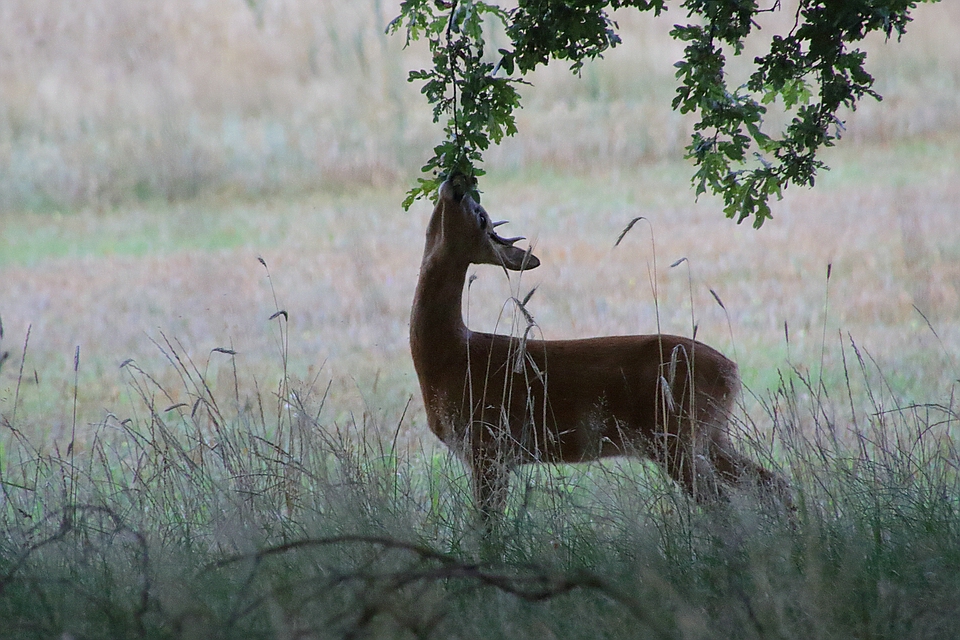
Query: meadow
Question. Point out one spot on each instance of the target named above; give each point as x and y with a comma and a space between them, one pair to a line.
178, 459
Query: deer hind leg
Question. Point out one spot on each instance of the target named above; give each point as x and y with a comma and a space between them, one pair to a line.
707, 466
696, 452
738, 470
681, 451
682, 447
735, 469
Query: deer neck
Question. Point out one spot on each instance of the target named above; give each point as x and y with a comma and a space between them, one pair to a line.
438, 335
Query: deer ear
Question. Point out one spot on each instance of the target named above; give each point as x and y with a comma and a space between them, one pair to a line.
517, 259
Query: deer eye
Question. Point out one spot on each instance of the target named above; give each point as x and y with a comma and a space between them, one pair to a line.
482, 218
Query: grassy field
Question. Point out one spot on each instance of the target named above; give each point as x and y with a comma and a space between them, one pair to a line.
344, 268
177, 461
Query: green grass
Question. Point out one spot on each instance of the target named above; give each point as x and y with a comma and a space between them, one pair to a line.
254, 519
156, 228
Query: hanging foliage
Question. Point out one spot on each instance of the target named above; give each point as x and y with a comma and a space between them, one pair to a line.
811, 72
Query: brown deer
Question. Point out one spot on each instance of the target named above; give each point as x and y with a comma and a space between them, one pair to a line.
499, 401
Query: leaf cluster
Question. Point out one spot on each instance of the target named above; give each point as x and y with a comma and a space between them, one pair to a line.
464, 86
814, 72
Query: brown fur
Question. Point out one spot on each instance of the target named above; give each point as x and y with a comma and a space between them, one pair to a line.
498, 401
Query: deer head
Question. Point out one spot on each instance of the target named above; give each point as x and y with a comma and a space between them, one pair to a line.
460, 230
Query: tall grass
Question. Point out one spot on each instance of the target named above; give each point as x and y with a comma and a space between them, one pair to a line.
252, 513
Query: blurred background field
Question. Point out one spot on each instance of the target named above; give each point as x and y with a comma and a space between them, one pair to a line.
107, 101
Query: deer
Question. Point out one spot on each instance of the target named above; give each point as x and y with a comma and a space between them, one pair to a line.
499, 401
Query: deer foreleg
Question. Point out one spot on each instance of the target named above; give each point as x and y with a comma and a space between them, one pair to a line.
491, 482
